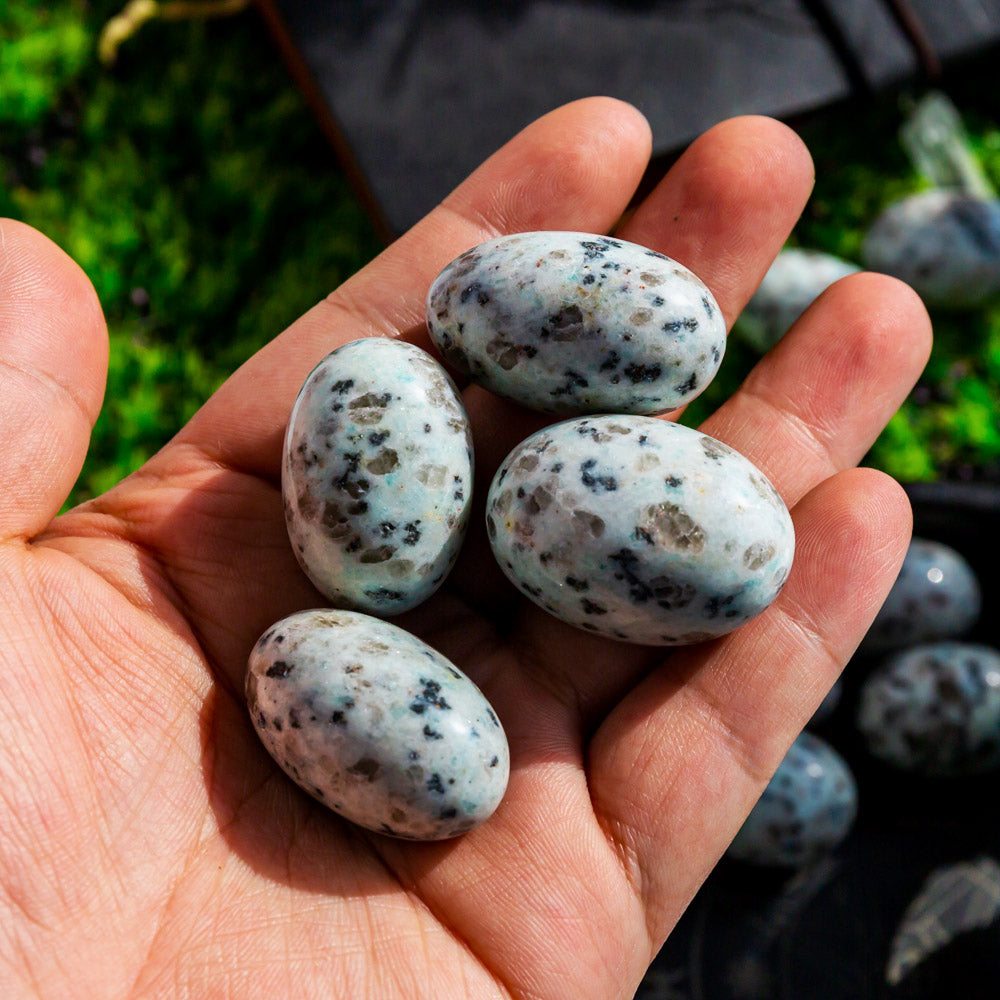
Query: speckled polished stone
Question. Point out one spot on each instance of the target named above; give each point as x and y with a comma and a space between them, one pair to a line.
639, 529
935, 596
935, 709
944, 244
376, 725
795, 279
808, 808
377, 476
575, 323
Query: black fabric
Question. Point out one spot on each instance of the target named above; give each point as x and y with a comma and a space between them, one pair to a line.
826, 934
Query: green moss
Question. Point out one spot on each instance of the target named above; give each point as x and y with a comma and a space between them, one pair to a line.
193, 187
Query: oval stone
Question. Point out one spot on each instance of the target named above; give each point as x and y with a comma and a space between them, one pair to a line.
376, 725
807, 809
377, 476
945, 244
575, 323
639, 529
936, 596
935, 709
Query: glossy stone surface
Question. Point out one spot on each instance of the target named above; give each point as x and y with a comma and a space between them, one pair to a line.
639, 529
935, 596
808, 808
377, 476
576, 323
935, 709
943, 243
376, 725
795, 279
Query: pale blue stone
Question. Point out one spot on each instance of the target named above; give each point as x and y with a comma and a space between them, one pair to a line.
943, 243
377, 476
793, 282
577, 323
639, 529
935, 596
935, 709
376, 725
807, 809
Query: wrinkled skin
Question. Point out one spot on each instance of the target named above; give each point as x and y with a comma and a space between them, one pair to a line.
148, 845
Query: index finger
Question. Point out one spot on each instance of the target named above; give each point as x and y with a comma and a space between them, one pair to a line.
575, 168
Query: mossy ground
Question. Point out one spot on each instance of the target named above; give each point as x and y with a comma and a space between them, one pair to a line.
193, 186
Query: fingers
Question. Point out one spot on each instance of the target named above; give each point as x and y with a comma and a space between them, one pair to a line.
677, 766
53, 363
727, 206
724, 210
815, 403
810, 408
576, 168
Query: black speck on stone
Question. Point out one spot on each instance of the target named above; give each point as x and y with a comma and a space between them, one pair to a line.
412, 533
430, 696
592, 607
434, 784
577, 585
637, 373
596, 484
280, 669
588, 279
431, 734
673, 480
342, 386
642, 535
450, 813
688, 385
427, 428
494, 762
376, 439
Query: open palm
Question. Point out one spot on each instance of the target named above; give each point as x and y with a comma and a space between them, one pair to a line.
148, 845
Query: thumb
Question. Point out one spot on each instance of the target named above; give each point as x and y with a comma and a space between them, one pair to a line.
53, 365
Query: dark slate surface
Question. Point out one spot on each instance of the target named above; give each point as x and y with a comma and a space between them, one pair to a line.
421, 91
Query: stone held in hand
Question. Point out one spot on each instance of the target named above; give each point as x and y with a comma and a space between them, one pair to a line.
377, 476
376, 725
639, 529
574, 323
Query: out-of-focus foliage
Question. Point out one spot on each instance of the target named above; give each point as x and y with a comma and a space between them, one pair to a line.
950, 425
193, 186
190, 183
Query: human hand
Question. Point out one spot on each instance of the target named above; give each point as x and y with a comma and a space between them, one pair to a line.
149, 847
